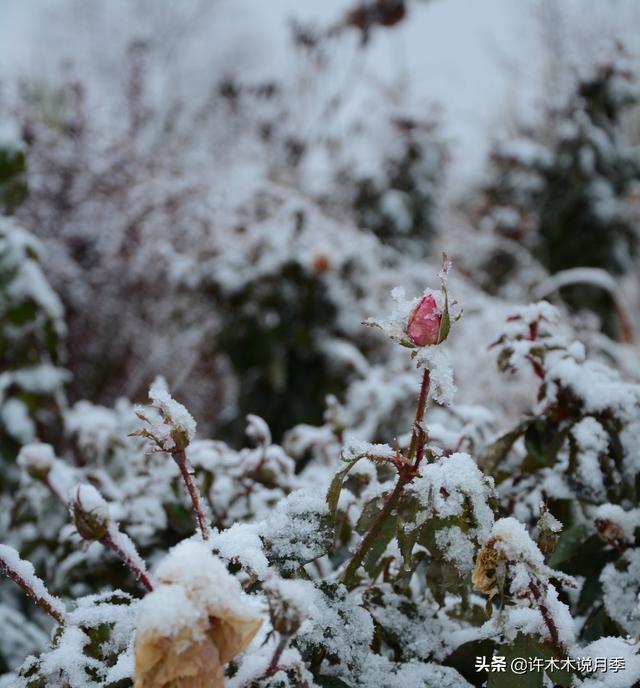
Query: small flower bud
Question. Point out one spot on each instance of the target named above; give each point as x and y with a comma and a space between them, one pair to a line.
424, 323
611, 533
36, 459
258, 430
172, 427
90, 513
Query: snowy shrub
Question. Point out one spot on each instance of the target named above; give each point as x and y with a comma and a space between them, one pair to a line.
377, 506
32, 331
576, 452
416, 564
566, 190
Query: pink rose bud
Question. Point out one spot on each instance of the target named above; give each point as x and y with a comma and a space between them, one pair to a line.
424, 322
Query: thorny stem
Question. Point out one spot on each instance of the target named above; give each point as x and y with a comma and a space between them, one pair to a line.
552, 628
406, 473
41, 602
198, 511
107, 541
417, 436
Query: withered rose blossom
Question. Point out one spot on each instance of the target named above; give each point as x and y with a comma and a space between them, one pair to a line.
484, 578
196, 621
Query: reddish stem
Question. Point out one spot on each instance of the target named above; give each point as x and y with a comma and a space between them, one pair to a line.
198, 510
107, 541
273, 664
406, 473
548, 620
41, 602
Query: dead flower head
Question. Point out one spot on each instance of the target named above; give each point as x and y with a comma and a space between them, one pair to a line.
193, 623
484, 576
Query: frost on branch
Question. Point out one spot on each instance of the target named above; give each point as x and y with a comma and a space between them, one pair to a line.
23, 573
172, 429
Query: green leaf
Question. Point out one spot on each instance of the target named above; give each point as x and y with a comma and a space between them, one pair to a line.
385, 536
542, 441
445, 320
13, 186
496, 453
568, 545
463, 659
333, 493
369, 514
526, 647
331, 682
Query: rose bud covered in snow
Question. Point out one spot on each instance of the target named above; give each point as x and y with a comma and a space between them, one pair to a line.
425, 322
36, 459
90, 513
171, 426
192, 624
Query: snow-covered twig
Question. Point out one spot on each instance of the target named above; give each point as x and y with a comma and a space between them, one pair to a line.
198, 509
22, 573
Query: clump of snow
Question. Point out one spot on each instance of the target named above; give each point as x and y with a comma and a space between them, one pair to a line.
174, 412
15, 416
296, 532
167, 611
549, 523
340, 625
355, 449
445, 486
205, 578
258, 430
515, 543
598, 386
241, 544
626, 651
457, 548
437, 361
20, 252
621, 588
90, 501
624, 522
592, 441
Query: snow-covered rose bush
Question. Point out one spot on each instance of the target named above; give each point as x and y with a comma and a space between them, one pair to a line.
417, 500
178, 561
